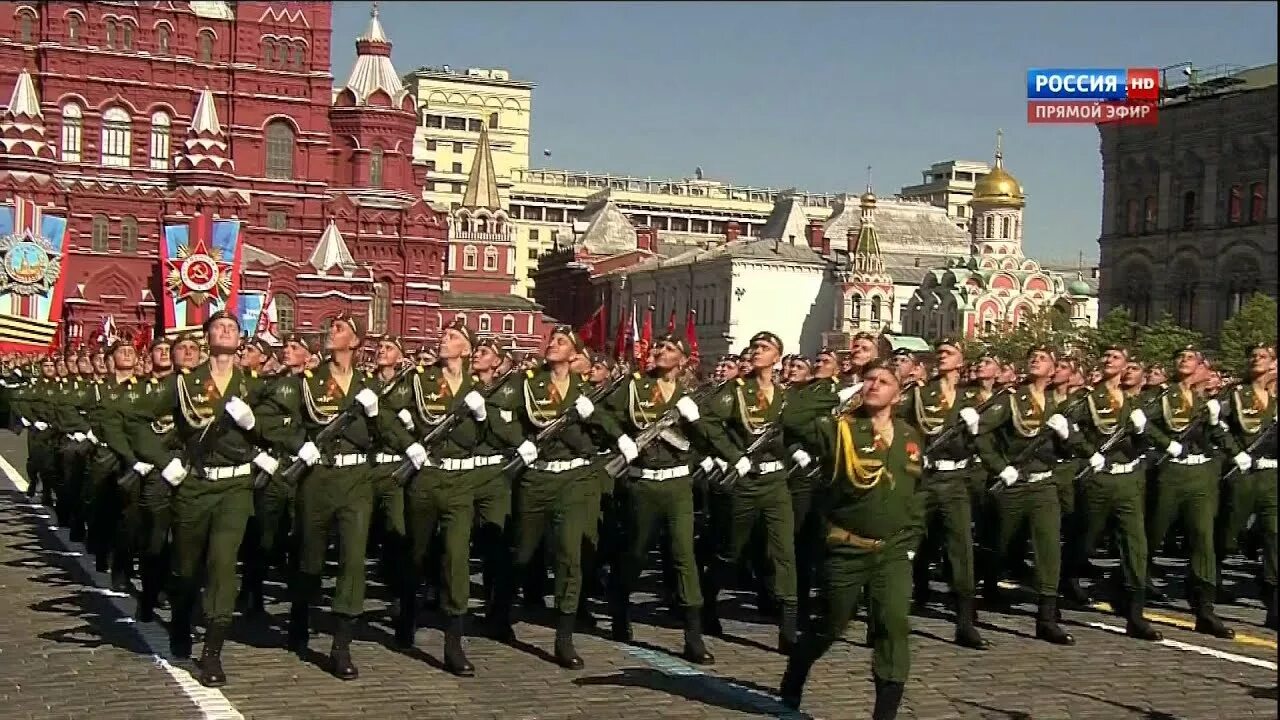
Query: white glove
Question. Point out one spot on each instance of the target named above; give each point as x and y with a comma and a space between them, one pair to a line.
847, 392
91, 437
970, 418
1009, 475
368, 400
309, 453
417, 455
25, 422
1174, 449
174, 473
628, 448
527, 452
1097, 462
688, 409
143, 469
801, 458
722, 464
707, 464
1243, 461
743, 466
268, 464
584, 407
41, 425
78, 437
475, 403
406, 418
240, 412
1139, 420
1215, 409
1059, 424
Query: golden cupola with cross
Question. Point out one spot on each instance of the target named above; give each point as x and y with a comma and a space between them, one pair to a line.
998, 201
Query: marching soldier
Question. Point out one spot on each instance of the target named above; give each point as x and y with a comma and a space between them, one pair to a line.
660, 490
388, 493
1251, 487
116, 514
1186, 428
874, 515
492, 494
932, 410
1015, 440
1067, 389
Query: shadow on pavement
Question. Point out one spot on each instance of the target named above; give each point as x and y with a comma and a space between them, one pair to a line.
734, 695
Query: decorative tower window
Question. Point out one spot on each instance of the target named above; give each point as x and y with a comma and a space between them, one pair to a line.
469, 258
1257, 202
129, 234
117, 138
375, 168
380, 308
162, 40
280, 146
284, 313
160, 126
204, 46
1235, 206
99, 236
72, 128
491, 259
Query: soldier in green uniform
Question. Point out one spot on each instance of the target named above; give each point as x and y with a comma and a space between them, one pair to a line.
441, 496
874, 512
1185, 428
596, 372
660, 489
491, 364
553, 489
388, 493
68, 406
338, 487
117, 513
931, 410
1066, 391
1251, 489
731, 420
213, 496
34, 414
1016, 441
1113, 490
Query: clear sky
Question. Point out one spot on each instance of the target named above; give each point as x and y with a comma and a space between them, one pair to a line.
807, 95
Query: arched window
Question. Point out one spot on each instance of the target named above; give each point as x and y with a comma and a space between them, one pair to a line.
126, 34
1188, 209
486, 325
875, 311
1149, 214
74, 23
1006, 228
111, 30
1183, 295
855, 310
493, 121
204, 46
267, 51
469, 258
280, 142
508, 324
299, 57
279, 51
72, 130
128, 234
990, 227
380, 309
117, 138
162, 40
160, 126
1235, 205
284, 314
1257, 202
99, 238
460, 318
375, 168
491, 259
1131, 217
26, 27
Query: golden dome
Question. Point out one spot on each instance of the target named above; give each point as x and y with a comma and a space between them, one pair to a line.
867, 198
998, 187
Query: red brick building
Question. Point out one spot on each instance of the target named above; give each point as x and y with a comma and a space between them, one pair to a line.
136, 115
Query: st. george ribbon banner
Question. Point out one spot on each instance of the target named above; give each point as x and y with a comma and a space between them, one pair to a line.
32, 252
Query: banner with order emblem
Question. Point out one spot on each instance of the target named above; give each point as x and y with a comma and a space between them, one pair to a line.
32, 248
200, 263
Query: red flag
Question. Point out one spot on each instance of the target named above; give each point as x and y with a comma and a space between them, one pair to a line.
691, 336
593, 332
620, 340
671, 323
645, 341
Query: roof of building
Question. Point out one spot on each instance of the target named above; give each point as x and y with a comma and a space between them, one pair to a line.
332, 251
744, 249
902, 227
998, 187
486, 301
605, 230
787, 221
482, 183
24, 102
373, 71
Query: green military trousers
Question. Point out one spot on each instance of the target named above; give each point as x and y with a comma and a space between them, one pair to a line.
670, 502
492, 497
768, 498
344, 495
809, 540
156, 501
442, 499
1034, 504
277, 520
948, 509
558, 500
1119, 497
1189, 493
209, 518
1248, 494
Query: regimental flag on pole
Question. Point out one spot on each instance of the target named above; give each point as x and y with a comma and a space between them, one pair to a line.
108, 330
200, 262
645, 341
691, 336
671, 323
620, 340
32, 246
593, 333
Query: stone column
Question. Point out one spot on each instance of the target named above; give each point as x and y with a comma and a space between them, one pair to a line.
1109, 200
1163, 201
1271, 187
1209, 196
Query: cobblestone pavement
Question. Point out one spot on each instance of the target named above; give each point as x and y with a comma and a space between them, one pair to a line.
68, 649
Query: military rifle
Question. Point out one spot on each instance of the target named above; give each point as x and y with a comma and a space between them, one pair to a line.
1119, 434
1044, 435
1196, 422
406, 469
618, 464
555, 427
339, 424
956, 425
1254, 446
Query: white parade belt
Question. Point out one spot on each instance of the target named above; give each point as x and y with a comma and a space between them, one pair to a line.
659, 475
227, 472
1190, 460
559, 466
385, 458
347, 460
1037, 477
470, 463
1265, 464
948, 465
772, 466
1122, 468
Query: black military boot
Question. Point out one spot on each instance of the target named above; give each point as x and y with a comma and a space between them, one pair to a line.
305, 588
695, 650
565, 653
1047, 627
211, 674
455, 658
1207, 620
182, 597
888, 698
340, 664
1136, 626
1224, 594
620, 613
148, 596
793, 679
405, 621
787, 628
1154, 593
497, 616
1269, 602
1075, 596
967, 634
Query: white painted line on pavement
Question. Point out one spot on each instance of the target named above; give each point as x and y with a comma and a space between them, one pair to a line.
1202, 650
211, 703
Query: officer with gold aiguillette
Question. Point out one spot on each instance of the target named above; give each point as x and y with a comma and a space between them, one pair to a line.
875, 517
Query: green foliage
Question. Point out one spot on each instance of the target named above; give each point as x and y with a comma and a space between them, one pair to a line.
1159, 341
1047, 327
1255, 323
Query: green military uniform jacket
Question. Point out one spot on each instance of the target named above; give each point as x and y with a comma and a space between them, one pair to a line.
635, 405
113, 398
206, 435
1174, 413
734, 416
141, 427
430, 400
1101, 417
1247, 414
298, 408
70, 404
1009, 427
534, 403
804, 403
926, 410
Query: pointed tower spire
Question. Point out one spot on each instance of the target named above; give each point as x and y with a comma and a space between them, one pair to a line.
373, 71
332, 252
22, 123
482, 183
999, 148
205, 148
